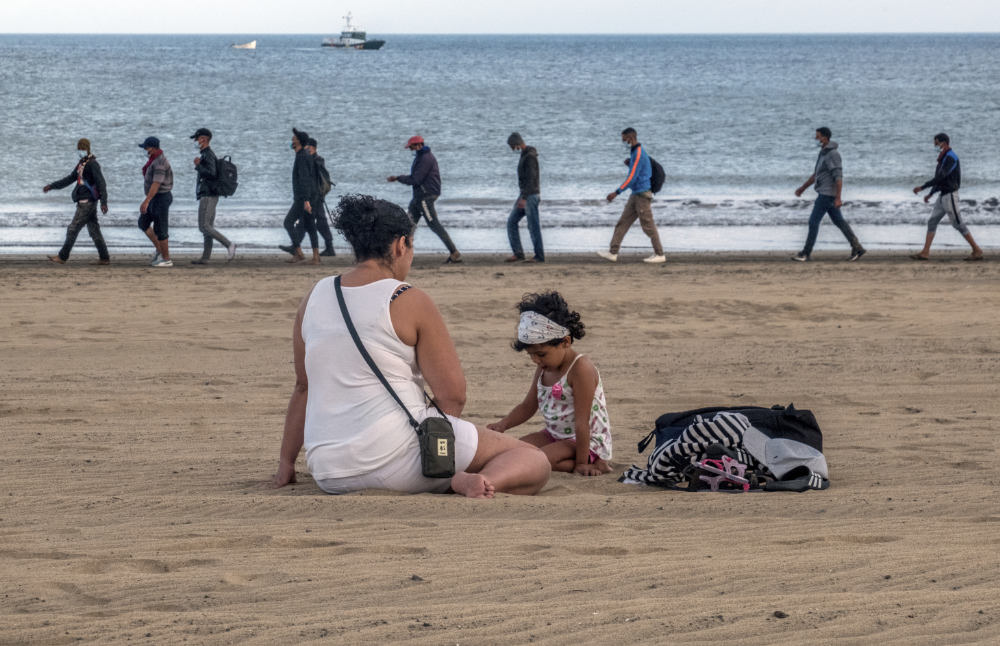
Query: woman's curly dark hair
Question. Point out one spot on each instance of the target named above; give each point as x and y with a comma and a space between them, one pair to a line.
371, 225
552, 306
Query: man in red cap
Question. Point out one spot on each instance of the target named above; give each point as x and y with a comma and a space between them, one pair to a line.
425, 179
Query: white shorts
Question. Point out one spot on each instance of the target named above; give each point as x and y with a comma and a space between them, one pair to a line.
404, 475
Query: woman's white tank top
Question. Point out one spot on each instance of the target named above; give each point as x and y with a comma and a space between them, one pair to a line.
353, 425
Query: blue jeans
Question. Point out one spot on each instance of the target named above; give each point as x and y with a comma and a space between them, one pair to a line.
530, 210
822, 206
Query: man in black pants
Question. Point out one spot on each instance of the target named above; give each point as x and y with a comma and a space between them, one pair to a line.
88, 191
319, 208
425, 178
304, 196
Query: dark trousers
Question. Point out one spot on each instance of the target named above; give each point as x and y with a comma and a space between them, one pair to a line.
298, 214
423, 207
822, 206
322, 225
86, 216
158, 214
530, 211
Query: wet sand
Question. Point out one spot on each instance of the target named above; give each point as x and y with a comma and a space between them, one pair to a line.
141, 412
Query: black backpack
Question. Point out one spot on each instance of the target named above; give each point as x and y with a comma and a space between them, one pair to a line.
225, 181
658, 177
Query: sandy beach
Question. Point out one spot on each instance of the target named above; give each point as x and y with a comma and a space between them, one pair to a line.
141, 413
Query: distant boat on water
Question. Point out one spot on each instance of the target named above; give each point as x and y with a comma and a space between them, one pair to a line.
251, 45
352, 37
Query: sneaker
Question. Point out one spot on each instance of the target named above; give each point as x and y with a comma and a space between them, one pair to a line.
856, 253
287, 248
800, 257
655, 259
156, 256
231, 252
607, 255
454, 258
101, 261
199, 261
328, 252
163, 263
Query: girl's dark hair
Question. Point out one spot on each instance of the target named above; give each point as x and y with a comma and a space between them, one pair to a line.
371, 225
552, 306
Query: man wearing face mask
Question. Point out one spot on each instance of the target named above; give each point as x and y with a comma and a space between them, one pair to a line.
425, 178
527, 201
157, 181
323, 186
828, 176
206, 166
304, 197
946, 182
89, 189
639, 205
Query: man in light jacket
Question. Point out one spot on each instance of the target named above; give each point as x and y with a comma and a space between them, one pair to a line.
527, 201
828, 176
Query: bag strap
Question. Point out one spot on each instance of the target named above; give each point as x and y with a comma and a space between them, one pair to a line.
371, 362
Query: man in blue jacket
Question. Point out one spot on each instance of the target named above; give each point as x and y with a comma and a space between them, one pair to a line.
639, 205
946, 182
425, 178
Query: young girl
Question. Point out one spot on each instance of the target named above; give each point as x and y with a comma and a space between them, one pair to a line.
566, 387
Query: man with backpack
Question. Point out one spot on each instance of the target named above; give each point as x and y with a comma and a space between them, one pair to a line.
639, 205
425, 178
527, 201
89, 189
206, 166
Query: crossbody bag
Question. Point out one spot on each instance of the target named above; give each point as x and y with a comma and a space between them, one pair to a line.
435, 434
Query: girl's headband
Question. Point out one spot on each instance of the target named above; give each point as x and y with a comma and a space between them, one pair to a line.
535, 328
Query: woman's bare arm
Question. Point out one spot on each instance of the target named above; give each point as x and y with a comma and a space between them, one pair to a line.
295, 416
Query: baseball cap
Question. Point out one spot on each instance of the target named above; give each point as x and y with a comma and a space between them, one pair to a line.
202, 131
150, 142
415, 139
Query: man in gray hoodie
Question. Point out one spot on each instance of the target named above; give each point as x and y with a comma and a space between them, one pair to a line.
828, 176
527, 202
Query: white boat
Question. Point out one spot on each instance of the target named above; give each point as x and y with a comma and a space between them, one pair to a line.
251, 45
352, 37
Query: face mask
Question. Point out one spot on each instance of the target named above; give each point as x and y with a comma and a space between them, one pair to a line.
819, 144
627, 145
83, 154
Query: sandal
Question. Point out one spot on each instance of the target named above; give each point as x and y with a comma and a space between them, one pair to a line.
917, 256
973, 258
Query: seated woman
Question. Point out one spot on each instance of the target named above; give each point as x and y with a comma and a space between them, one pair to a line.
356, 435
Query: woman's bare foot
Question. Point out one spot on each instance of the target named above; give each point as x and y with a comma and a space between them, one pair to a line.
472, 485
602, 465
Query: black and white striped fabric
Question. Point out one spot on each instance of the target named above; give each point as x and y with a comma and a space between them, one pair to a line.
666, 464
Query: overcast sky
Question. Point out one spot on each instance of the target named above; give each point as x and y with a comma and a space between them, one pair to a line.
498, 16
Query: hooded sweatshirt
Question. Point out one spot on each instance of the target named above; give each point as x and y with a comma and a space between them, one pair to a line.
527, 173
829, 169
424, 177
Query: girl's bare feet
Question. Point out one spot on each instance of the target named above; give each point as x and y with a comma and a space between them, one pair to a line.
472, 485
602, 465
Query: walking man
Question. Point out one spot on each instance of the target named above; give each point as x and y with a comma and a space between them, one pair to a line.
323, 186
425, 178
828, 176
946, 182
89, 189
527, 201
303, 198
639, 205
157, 181
206, 167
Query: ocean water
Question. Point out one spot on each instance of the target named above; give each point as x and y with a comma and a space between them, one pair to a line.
731, 118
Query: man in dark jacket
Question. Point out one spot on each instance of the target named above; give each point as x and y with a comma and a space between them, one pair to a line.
323, 181
946, 182
527, 201
206, 166
303, 196
89, 189
425, 179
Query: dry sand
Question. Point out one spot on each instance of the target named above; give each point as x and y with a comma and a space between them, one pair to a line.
141, 410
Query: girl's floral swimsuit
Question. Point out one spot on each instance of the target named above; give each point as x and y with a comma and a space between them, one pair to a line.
556, 404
